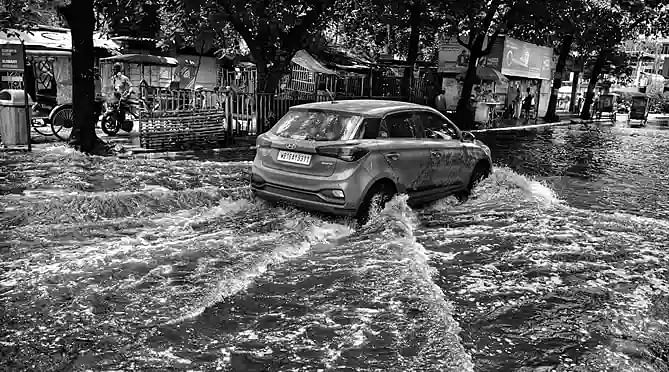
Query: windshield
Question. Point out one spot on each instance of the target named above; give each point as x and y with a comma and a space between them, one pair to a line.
316, 125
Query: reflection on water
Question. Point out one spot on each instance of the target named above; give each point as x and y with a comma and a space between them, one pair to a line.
557, 262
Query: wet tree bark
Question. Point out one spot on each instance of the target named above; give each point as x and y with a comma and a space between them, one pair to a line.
594, 76
81, 19
412, 55
565, 47
464, 115
573, 105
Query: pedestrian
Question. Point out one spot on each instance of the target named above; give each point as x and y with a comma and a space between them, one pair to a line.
528, 103
440, 101
516, 104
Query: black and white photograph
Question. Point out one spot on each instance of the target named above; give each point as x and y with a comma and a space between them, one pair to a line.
334, 185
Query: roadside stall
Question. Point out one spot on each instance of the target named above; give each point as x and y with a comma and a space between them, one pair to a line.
155, 79
48, 75
489, 105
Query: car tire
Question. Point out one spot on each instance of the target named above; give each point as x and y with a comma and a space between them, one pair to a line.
374, 202
481, 171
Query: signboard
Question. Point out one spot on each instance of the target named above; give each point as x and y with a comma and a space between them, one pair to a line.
47, 39
11, 57
495, 57
526, 60
453, 57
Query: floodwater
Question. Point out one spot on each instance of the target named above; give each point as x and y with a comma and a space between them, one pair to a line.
557, 263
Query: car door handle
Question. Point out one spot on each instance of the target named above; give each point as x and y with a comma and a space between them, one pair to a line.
435, 154
392, 156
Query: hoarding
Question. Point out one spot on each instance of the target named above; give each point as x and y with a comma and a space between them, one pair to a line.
526, 60
453, 57
11, 57
494, 58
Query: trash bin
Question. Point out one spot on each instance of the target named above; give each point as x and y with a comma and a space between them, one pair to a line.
13, 124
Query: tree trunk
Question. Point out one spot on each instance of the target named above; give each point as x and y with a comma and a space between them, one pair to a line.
557, 81
465, 111
81, 19
412, 55
573, 105
269, 76
594, 76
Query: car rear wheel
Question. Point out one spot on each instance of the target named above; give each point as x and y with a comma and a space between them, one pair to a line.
374, 202
481, 171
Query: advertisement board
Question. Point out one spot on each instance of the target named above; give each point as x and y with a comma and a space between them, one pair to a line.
526, 60
11, 57
453, 57
495, 57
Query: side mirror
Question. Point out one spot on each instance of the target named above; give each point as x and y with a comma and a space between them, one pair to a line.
468, 136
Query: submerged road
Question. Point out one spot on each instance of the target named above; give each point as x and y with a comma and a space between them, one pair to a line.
557, 263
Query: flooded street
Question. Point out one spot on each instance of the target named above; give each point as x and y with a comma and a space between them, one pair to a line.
559, 262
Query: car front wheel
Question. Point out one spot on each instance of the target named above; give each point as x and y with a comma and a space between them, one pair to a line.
481, 171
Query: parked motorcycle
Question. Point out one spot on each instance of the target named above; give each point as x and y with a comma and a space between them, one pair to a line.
120, 114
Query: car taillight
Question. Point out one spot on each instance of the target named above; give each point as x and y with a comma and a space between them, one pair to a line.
345, 153
262, 141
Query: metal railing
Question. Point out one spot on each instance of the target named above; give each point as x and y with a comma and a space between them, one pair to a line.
241, 114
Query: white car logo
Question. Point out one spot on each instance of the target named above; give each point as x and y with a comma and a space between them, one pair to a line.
291, 146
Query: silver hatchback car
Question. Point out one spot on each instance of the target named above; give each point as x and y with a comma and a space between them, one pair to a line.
346, 157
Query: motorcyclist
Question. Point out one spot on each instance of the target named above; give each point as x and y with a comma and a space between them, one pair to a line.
122, 90
121, 83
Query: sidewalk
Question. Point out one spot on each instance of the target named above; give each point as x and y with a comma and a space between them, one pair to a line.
127, 144
566, 118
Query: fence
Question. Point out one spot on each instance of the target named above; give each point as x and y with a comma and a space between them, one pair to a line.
181, 119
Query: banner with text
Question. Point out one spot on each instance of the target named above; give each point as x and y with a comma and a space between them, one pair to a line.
526, 60
11, 57
453, 57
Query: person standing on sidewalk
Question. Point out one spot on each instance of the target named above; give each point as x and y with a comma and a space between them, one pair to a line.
528, 102
440, 101
516, 104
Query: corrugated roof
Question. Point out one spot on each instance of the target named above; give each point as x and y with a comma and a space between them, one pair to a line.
304, 59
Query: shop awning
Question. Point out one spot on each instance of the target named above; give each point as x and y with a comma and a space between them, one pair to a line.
488, 73
145, 59
629, 92
304, 59
53, 39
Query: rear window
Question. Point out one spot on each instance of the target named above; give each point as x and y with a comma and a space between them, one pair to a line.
316, 125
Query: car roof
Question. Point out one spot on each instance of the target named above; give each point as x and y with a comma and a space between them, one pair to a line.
363, 107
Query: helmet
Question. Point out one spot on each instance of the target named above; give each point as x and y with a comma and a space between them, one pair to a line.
117, 67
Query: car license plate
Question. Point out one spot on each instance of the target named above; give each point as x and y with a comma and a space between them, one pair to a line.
294, 157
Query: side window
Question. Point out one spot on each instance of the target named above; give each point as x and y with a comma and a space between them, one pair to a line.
435, 123
370, 128
402, 125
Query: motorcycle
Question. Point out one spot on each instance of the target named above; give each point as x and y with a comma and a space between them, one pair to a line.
120, 113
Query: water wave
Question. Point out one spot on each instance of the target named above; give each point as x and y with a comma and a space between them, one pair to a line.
540, 282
